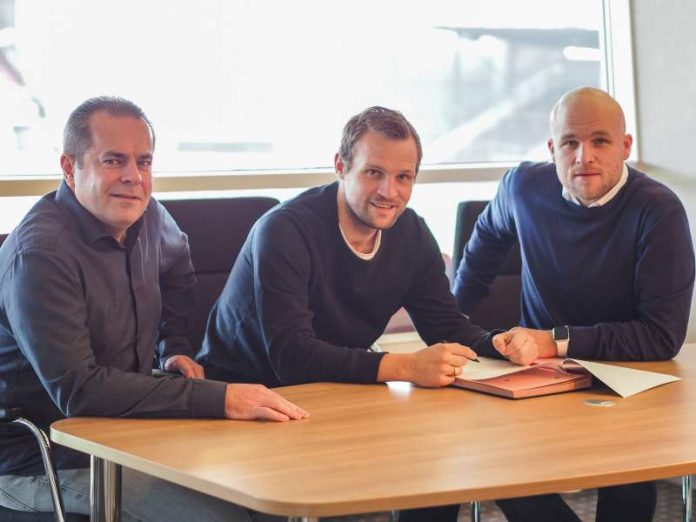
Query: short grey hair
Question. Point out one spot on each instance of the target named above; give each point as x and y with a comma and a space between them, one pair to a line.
77, 136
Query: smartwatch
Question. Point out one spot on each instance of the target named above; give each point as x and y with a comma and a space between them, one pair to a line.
561, 336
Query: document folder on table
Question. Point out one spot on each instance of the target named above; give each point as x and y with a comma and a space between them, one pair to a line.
547, 376
528, 382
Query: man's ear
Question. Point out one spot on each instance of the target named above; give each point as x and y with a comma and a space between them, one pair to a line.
549, 144
627, 143
67, 165
339, 165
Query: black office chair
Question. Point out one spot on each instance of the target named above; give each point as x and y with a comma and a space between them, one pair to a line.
14, 416
217, 229
501, 309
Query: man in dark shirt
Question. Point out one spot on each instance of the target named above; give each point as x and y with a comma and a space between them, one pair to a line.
95, 278
319, 277
608, 265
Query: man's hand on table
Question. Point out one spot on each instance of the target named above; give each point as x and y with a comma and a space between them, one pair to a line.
255, 401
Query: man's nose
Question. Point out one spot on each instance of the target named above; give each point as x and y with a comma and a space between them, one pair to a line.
388, 187
584, 154
131, 174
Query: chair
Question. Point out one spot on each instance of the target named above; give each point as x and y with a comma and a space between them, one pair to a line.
401, 321
14, 416
501, 309
217, 229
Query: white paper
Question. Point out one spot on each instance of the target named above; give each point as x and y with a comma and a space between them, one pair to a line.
488, 368
625, 381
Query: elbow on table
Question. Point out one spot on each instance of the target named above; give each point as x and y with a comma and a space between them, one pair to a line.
665, 348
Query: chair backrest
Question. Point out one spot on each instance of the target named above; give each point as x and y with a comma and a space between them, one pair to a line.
217, 229
501, 309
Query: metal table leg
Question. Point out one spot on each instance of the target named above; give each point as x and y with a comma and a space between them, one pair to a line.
686, 496
475, 511
105, 494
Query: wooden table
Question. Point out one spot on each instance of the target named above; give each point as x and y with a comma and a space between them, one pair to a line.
372, 448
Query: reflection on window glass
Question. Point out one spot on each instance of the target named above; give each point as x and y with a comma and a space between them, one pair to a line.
265, 84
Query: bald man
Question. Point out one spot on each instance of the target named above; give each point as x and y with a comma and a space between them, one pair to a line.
608, 264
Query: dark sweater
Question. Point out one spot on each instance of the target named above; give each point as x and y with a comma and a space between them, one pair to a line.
299, 306
621, 275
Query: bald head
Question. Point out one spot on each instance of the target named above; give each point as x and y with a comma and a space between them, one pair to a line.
588, 143
590, 103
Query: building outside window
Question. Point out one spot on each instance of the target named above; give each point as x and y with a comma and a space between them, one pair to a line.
255, 86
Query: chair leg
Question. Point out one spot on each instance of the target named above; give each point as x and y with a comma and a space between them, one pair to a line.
393, 516
45, 448
686, 497
476, 511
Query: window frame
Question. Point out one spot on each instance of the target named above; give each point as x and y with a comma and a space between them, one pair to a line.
618, 75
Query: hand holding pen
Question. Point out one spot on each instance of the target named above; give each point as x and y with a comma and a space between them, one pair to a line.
456, 370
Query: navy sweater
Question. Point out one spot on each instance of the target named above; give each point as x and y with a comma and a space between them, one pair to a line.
620, 275
299, 306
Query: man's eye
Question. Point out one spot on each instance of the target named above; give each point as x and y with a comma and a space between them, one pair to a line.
373, 172
146, 164
110, 161
406, 178
570, 143
601, 141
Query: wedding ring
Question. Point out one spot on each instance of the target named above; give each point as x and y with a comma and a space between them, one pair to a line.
455, 371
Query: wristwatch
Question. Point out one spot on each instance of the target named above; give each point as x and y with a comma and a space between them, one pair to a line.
561, 336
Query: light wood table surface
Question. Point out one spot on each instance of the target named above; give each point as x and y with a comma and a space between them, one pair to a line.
371, 448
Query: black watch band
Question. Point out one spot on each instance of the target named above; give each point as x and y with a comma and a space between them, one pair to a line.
561, 333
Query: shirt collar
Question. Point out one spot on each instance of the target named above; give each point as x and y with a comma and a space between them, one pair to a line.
90, 227
606, 198
368, 256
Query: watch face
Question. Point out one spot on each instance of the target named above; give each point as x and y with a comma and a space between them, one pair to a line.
560, 333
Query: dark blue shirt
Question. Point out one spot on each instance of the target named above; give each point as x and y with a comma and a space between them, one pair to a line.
300, 306
620, 275
81, 317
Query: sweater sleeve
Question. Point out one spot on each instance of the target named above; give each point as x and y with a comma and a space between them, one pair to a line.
283, 273
432, 307
491, 240
663, 282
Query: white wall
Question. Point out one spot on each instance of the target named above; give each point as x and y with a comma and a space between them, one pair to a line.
665, 61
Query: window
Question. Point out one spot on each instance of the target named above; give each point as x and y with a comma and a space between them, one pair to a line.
239, 87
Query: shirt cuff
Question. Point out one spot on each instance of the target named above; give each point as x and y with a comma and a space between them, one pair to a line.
208, 398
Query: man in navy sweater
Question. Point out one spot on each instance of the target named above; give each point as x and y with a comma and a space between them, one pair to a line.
320, 275
608, 264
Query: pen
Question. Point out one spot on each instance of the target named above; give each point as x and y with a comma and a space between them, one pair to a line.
474, 359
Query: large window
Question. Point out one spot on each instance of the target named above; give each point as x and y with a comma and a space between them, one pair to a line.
268, 84
243, 86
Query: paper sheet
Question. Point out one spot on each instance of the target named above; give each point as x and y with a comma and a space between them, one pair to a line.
625, 381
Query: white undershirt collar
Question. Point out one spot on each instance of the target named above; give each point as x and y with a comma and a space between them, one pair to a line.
369, 255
